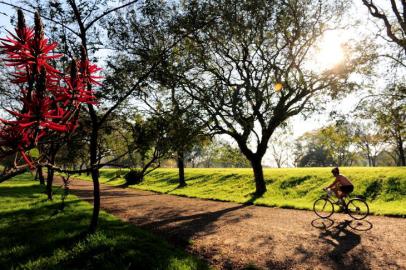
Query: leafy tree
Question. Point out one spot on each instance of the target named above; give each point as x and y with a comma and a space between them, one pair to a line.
370, 141
338, 139
387, 157
161, 93
388, 112
185, 127
148, 143
81, 21
280, 146
229, 156
251, 49
393, 17
50, 100
311, 151
220, 153
195, 155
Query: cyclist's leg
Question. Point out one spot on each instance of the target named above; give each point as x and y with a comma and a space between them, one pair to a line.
345, 191
336, 191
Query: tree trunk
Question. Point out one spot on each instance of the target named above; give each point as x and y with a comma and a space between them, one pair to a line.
41, 176
181, 167
260, 187
95, 178
373, 161
50, 180
401, 152
50, 176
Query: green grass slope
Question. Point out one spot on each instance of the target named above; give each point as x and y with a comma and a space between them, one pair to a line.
385, 187
35, 234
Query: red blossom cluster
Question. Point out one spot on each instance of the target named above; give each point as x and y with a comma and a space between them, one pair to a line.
50, 100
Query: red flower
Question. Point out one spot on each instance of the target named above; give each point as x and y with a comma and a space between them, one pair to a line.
50, 100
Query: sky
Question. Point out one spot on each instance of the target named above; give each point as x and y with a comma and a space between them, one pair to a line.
329, 56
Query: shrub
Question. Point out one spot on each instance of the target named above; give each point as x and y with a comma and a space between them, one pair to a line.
373, 190
133, 177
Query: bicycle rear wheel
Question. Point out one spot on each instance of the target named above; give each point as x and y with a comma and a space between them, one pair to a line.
323, 208
357, 209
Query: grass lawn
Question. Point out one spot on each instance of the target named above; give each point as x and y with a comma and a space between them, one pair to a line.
35, 234
385, 187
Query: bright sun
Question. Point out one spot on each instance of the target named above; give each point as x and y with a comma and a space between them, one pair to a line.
329, 52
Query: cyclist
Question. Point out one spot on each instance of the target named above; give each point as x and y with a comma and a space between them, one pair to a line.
341, 186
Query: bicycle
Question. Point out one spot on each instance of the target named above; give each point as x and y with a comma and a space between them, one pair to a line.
356, 207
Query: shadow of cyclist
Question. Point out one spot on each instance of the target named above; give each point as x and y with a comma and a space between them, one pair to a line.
342, 239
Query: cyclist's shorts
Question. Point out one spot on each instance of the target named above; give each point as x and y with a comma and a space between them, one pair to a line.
347, 189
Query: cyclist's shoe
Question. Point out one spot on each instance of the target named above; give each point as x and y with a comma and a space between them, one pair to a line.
340, 203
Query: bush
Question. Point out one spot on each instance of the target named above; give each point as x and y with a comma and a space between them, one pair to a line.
133, 177
373, 190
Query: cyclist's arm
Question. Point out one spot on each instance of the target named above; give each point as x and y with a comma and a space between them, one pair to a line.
333, 184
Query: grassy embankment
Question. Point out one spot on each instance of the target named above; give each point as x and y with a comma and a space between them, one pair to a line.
385, 187
35, 234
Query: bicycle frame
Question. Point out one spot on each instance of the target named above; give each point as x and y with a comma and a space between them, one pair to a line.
344, 204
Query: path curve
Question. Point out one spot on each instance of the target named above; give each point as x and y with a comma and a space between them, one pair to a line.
234, 236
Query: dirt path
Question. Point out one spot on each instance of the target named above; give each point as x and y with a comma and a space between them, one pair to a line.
234, 236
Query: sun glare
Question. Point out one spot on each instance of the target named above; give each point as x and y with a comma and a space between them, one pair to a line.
329, 52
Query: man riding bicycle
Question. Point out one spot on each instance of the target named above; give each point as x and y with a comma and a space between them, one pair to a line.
355, 207
341, 187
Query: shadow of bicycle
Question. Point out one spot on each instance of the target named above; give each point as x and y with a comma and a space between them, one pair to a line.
358, 225
343, 236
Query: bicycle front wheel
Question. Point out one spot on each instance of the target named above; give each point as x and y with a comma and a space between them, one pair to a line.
323, 208
358, 209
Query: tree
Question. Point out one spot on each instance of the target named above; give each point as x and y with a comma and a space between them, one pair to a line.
81, 20
149, 141
280, 146
388, 112
231, 156
50, 101
338, 139
219, 153
370, 141
185, 127
161, 93
311, 151
251, 68
394, 20
195, 155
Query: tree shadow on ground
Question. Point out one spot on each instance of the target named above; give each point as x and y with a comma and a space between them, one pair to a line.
180, 229
175, 188
252, 198
108, 191
35, 238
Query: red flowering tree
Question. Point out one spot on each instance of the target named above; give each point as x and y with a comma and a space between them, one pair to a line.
50, 100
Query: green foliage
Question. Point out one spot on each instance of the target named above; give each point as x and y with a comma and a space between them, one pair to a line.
133, 177
311, 152
329, 145
385, 187
221, 154
373, 190
388, 111
35, 234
